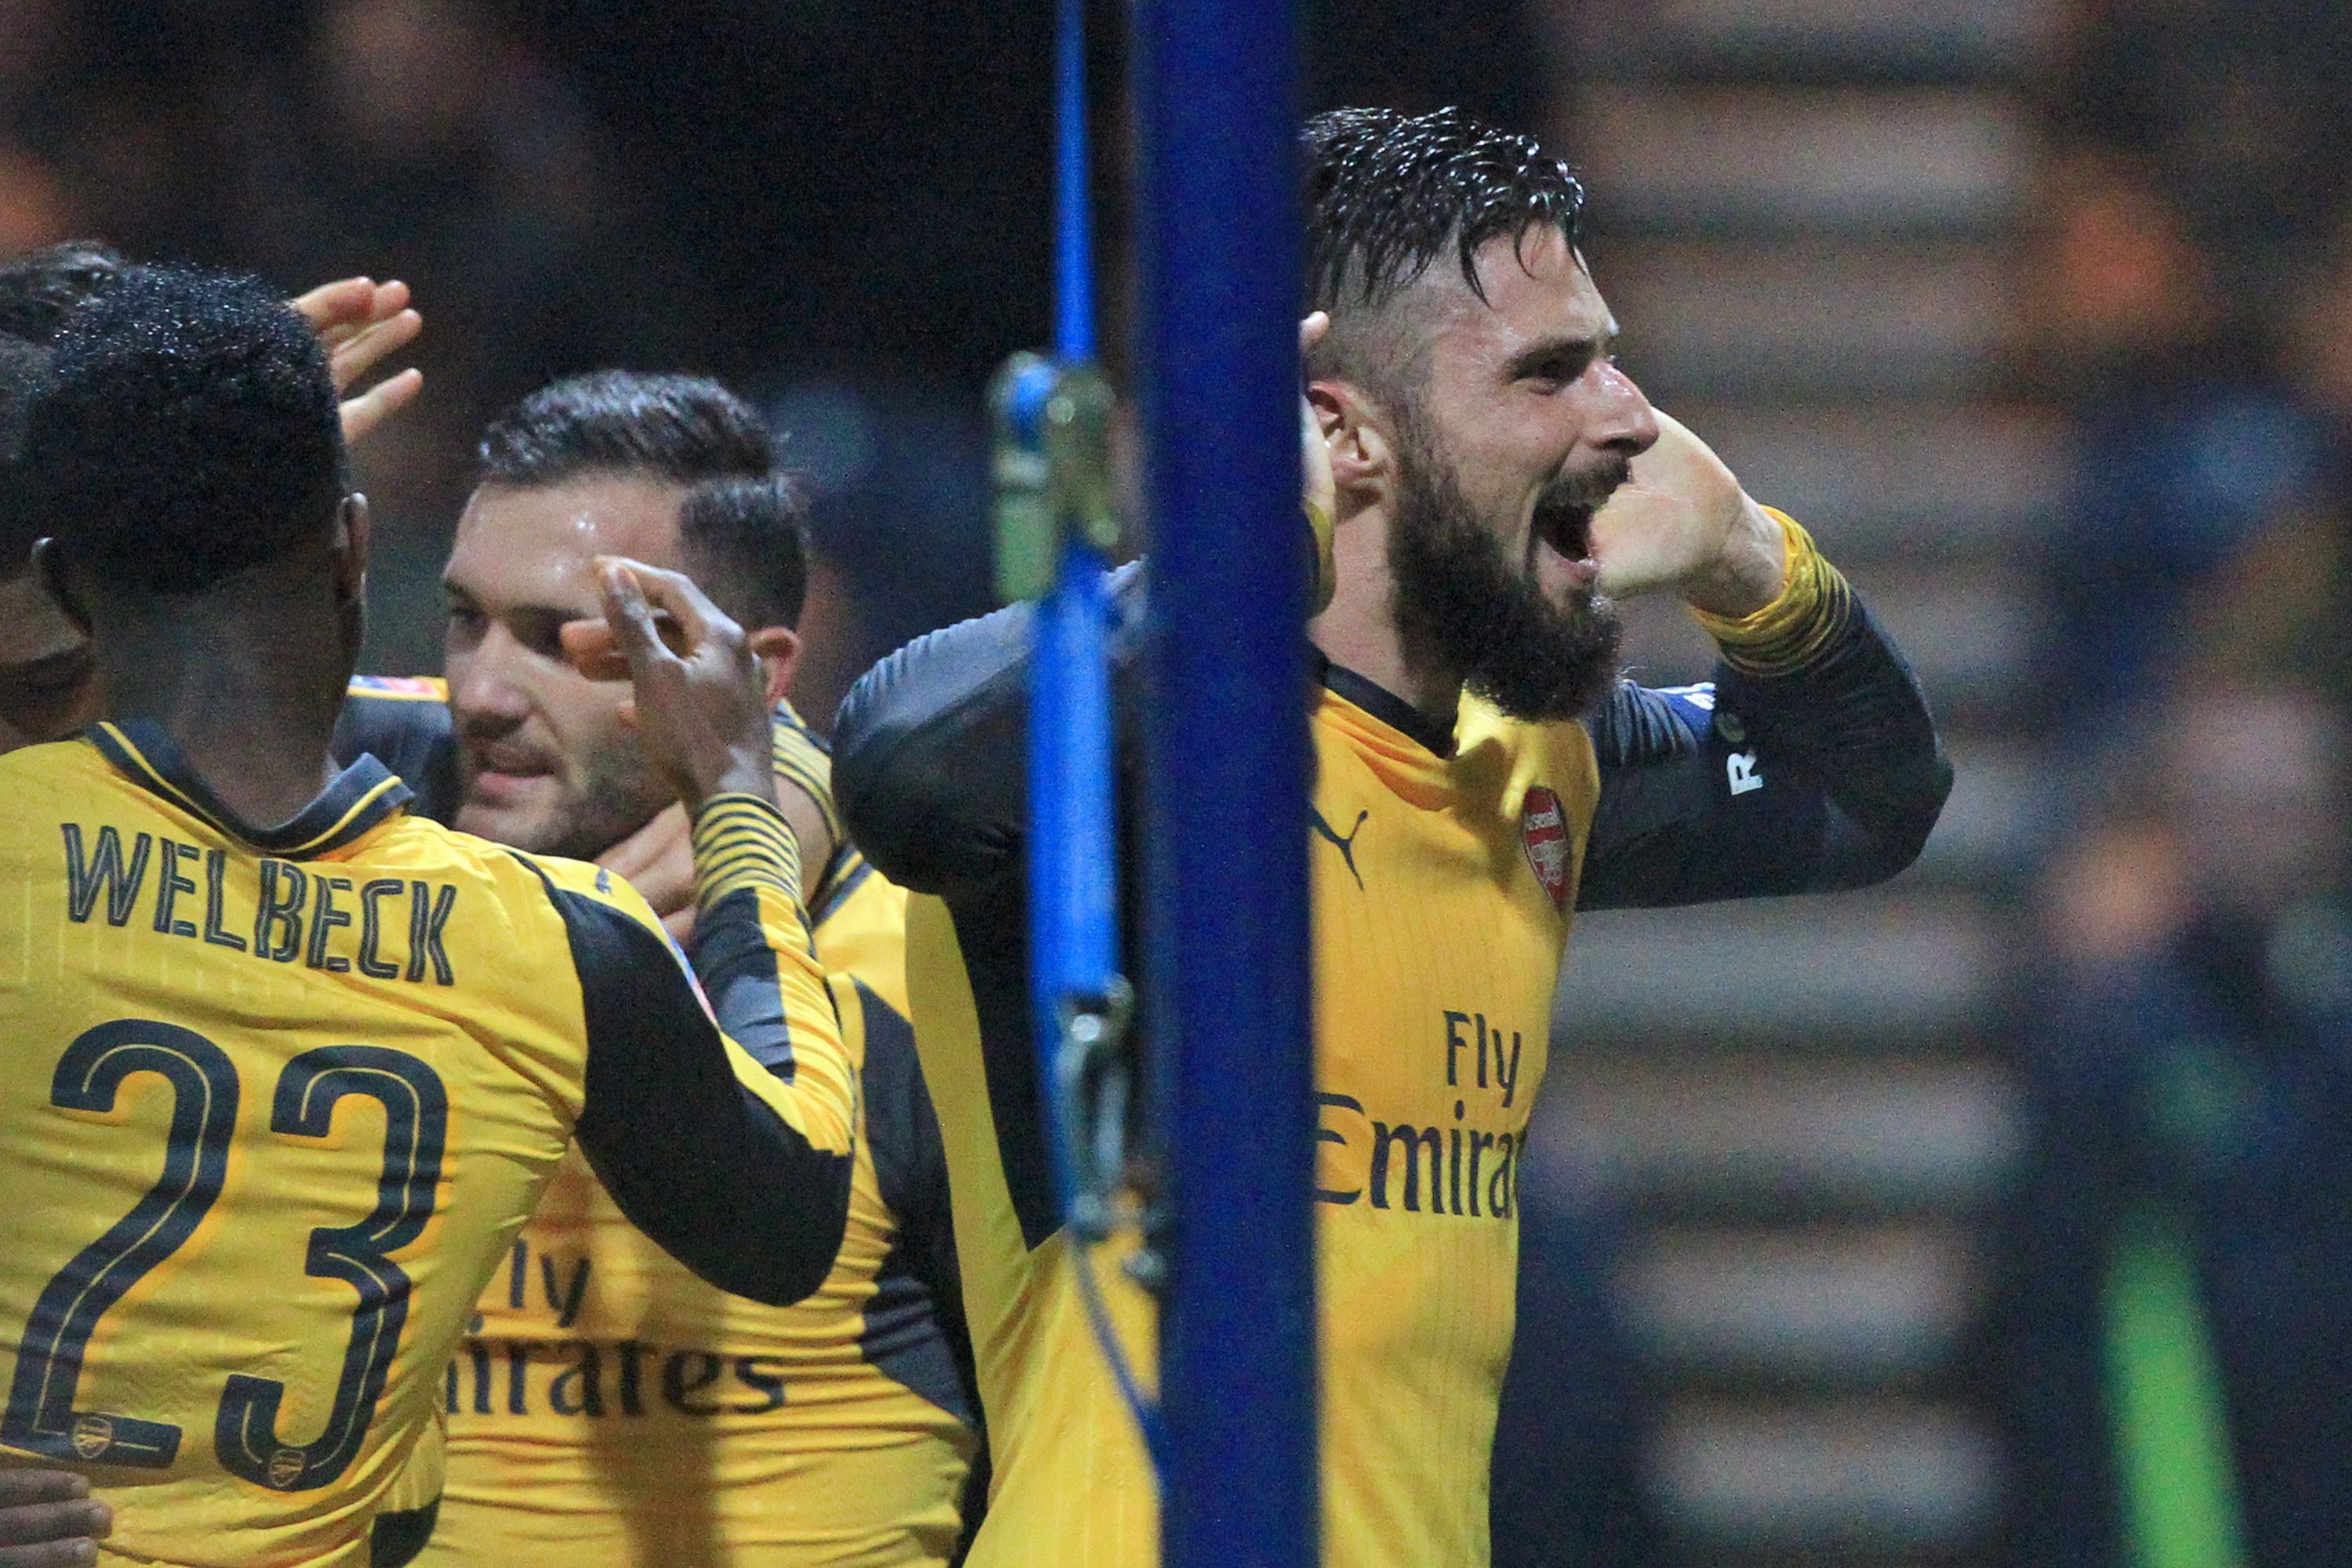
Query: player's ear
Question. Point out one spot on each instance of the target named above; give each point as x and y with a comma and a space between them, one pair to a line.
1362, 458
350, 547
779, 648
50, 567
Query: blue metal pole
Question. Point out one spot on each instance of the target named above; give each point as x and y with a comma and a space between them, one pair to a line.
1218, 253
1074, 268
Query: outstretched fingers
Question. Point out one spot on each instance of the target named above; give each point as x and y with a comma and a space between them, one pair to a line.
49, 1519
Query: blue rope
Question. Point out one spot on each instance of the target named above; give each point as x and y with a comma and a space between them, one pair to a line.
1072, 851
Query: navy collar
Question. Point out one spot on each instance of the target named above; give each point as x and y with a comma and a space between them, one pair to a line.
1389, 709
358, 799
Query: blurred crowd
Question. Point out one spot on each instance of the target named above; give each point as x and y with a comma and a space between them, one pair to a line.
2174, 1287
842, 210
564, 190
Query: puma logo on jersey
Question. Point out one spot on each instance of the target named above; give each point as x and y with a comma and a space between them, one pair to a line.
1346, 847
1741, 768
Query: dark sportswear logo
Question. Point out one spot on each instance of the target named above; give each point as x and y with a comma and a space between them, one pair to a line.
1346, 847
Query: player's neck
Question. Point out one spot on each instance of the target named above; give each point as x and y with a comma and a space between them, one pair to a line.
1358, 631
248, 685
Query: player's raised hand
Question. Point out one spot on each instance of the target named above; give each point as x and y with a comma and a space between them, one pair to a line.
701, 695
49, 1519
1683, 524
362, 322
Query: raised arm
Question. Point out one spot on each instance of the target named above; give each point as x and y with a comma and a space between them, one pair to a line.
1809, 765
727, 1139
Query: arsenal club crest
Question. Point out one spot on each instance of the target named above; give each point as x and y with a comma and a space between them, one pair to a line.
1543, 829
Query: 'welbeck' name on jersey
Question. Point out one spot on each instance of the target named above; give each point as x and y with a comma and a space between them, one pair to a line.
386, 927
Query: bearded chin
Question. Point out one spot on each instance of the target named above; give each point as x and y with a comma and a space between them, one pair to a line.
1463, 606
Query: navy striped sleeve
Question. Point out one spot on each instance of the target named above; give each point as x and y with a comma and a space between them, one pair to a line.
698, 1158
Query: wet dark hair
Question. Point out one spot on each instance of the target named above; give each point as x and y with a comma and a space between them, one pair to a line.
188, 432
1387, 194
39, 290
743, 525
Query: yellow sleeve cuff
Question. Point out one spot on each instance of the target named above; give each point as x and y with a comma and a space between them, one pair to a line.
1785, 635
741, 841
801, 760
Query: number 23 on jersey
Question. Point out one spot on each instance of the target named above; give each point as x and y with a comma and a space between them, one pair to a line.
44, 1414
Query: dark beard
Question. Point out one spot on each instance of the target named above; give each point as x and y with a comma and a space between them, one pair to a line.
1465, 606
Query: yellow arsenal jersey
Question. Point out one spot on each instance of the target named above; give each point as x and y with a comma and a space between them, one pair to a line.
609, 1408
273, 1105
1442, 889
1446, 859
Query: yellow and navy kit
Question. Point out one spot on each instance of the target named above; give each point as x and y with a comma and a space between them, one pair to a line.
1447, 863
609, 1408
274, 1102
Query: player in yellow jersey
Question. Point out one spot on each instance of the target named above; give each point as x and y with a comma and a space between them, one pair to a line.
286, 1066
44, 665
1480, 776
609, 1408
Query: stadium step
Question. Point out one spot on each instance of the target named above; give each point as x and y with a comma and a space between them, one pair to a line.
1913, 481
1803, 212
1758, 161
1753, 1136
2003, 798
1884, 1473
1805, 317
1827, 1307
1895, 966
1934, 41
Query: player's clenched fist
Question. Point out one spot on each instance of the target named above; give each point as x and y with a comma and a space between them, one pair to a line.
701, 698
1683, 524
49, 1519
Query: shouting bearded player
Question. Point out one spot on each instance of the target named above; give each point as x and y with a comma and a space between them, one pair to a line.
1481, 775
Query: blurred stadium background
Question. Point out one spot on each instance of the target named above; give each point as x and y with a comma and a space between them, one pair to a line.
2039, 311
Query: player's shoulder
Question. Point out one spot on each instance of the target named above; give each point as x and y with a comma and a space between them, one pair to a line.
1639, 723
52, 759
553, 876
41, 784
534, 886
1479, 725
859, 922
404, 722
536, 914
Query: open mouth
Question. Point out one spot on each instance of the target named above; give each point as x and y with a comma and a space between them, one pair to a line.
1559, 541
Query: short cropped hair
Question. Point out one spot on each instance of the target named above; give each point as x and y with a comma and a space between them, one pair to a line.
1388, 194
682, 428
189, 432
39, 290
743, 525
24, 371
745, 542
